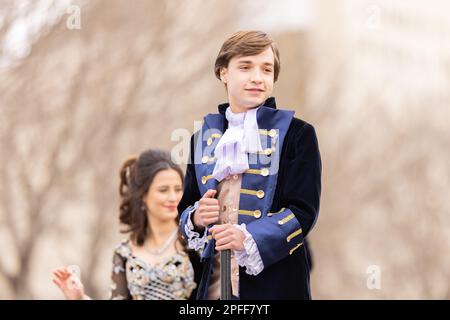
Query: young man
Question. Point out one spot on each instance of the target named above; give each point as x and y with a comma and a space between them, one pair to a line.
253, 182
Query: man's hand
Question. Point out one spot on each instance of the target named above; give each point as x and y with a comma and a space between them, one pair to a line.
208, 211
227, 236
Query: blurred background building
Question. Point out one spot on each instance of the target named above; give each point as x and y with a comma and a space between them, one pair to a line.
83, 84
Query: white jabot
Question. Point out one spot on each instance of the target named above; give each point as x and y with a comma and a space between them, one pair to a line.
240, 139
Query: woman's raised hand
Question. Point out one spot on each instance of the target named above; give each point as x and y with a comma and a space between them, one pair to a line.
69, 283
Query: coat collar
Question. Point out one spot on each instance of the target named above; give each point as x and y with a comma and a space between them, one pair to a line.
270, 102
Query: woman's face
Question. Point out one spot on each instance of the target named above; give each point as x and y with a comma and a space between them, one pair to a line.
163, 196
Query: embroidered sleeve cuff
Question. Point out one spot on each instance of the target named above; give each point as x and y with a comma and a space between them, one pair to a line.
194, 240
249, 257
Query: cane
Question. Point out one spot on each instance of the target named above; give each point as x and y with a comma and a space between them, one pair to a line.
225, 275
225, 268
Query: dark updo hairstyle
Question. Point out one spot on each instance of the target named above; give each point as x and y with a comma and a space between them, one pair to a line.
136, 177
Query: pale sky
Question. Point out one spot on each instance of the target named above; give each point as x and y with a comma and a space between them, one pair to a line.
31, 16
276, 15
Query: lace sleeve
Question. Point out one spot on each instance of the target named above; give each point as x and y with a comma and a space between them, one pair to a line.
119, 287
250, 258
194, 240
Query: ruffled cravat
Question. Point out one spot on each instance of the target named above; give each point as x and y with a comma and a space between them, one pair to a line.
240, 139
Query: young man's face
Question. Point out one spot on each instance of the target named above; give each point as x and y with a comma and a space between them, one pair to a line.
249, 80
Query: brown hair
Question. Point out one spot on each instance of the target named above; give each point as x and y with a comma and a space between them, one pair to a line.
246, 43
136, 177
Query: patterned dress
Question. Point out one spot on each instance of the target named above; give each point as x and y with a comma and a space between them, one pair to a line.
132, 278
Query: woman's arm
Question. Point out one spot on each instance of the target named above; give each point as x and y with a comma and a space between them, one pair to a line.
119, 284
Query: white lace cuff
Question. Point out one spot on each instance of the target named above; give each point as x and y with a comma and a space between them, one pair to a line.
249, 257
194, 240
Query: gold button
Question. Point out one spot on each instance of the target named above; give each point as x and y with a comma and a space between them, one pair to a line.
281, 222
205, 159
209, 141
268, 151
270, 214
204, 179
272, 133
264, 172
257, 214
260, 194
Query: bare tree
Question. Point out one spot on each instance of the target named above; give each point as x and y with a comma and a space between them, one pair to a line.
75, 108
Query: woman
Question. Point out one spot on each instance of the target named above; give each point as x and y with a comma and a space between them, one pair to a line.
153, 264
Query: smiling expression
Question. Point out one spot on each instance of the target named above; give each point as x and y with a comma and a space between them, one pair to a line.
249, 80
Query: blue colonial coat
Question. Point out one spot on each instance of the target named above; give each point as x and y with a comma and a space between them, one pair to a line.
279, 200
